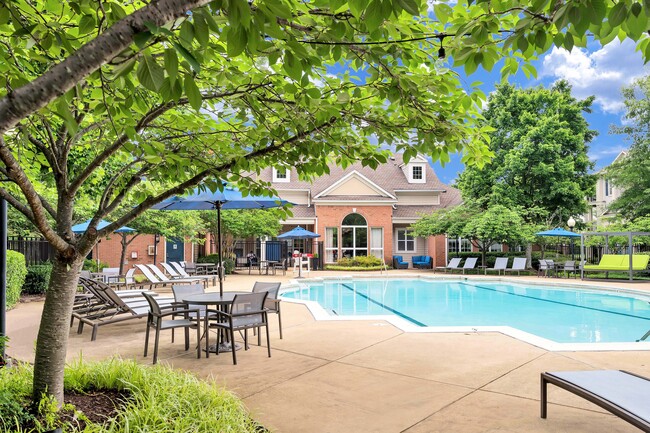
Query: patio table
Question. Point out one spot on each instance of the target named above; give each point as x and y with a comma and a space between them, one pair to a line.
222, 302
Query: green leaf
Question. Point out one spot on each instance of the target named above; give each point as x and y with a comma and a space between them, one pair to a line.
617, 14
86, 24
63, 111
192, 92
237, 39
292, 66
410, 6
357, 7
150, 74
171, 64
189, 57
374, 15
442, 12
141, 39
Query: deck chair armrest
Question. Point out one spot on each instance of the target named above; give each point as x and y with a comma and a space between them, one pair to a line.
177, 312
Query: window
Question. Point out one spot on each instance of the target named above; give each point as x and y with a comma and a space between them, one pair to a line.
417, 173
465, 246
377, 242
331, 244
405, 241
354, 236
453, 245
280, 174
496, 248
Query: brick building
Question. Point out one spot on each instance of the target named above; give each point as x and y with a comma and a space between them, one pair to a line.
142, 250
361, 211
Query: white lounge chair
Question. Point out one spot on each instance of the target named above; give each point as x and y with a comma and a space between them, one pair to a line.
500, 264
453, 264
518, 265
470, 263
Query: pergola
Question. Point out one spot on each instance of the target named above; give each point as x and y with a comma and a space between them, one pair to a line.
606, 235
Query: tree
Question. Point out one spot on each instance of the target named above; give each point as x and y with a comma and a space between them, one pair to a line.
540, 152
632, 172
498, 224
144, 100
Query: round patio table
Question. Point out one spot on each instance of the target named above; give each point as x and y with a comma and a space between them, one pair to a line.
222, 302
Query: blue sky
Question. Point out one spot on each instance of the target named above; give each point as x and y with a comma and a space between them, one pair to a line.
598, 71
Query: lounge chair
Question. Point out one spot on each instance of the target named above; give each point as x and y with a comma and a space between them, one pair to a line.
616, 262
453, 264
518, 265
115, 309
154, 280
174, 273
624, 394
470, 263
500, 264
399, 263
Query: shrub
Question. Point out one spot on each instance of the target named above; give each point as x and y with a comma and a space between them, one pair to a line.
16, 272
229, 264
92, 266
161, 400
38, 278
359, 262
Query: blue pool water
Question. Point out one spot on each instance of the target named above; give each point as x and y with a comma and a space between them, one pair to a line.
557, 314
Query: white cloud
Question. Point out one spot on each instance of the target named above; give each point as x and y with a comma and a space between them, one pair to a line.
601, 73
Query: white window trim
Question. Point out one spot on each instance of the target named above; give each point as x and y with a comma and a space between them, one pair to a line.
424, 173
415, 242
281, 179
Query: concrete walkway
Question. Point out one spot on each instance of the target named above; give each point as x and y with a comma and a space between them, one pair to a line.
368, 376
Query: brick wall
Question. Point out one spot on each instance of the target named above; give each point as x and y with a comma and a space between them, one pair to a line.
109, 250
376, 216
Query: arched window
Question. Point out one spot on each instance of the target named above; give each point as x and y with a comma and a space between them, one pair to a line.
354, 236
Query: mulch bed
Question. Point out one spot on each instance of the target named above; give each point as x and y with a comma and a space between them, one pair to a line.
98, 406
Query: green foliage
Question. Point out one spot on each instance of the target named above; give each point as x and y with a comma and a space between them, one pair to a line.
38, 278
16, 272
540, 154
228, 263
92, 265
632, 172
358, 262
162, 400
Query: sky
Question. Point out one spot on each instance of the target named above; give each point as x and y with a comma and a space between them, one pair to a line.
598, 71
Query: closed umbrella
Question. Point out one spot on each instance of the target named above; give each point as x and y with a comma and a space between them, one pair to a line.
202, 198
299, 233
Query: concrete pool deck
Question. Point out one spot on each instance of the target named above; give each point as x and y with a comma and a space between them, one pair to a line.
369, 376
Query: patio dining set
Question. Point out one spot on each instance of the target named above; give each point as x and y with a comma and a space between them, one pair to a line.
190, 308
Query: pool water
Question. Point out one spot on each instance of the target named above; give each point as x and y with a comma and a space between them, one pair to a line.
557, 314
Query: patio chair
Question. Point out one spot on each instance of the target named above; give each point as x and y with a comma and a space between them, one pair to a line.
280, 265
500, 264
399, 263
246, 312
518, 265
624, 394
127, 282
453, 264
253, 263
176, 274
470, 263
272, 303
156, 318
570, 266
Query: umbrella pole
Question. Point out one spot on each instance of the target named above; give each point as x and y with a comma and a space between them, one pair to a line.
220, 264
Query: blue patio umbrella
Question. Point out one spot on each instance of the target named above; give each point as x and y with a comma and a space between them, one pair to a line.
82, 227
558, 231
202, 198
298, 233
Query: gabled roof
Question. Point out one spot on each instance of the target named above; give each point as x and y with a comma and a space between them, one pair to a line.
366, 184
388, 177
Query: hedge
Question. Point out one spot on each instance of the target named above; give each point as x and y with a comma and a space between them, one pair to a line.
228, 264
38, 278
16, 272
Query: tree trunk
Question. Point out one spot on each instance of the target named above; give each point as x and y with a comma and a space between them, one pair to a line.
52, 343
529, 254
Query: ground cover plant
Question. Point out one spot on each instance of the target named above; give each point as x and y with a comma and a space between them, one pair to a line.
359, 263
122, 396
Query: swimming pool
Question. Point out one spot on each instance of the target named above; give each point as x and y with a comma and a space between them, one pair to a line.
544, 315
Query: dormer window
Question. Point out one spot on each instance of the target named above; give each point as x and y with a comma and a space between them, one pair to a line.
416, 173
280, 174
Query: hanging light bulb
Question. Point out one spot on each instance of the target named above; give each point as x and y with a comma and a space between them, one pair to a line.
441, 53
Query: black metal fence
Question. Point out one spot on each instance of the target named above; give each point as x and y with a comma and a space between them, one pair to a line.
36, 250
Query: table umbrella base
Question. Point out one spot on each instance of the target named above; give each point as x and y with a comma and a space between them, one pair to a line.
223, 347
